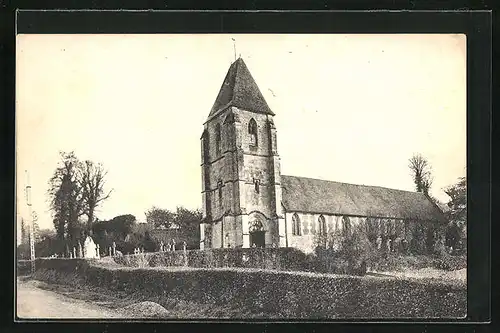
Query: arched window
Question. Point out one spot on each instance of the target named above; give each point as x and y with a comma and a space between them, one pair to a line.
346, 225
255, 225
219, 186
296, 227
321, 225
217, 139
252, 131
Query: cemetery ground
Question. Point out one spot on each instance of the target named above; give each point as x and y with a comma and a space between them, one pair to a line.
109, 290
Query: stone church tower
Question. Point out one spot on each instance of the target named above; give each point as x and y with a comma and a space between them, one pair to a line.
242, 204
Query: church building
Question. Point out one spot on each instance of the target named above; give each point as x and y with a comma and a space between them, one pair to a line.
247, 202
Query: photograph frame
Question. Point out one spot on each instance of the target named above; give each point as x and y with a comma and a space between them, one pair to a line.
477, 27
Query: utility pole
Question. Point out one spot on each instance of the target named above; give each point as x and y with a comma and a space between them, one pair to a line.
31, 224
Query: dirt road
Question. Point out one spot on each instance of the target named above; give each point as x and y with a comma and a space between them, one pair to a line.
33, 302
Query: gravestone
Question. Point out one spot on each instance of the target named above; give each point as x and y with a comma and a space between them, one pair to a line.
80, 251
89, 248
184, 249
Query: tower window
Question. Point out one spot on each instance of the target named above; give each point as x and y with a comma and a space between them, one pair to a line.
257, 185
219, 186
252, 131
217, 139
296, 227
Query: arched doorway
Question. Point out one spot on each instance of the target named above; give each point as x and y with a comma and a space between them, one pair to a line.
257, 234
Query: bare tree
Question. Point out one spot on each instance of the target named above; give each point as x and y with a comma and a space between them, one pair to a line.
91, 180
421, 172
76, 189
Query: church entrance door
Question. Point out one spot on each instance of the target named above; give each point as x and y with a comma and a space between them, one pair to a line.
257, 239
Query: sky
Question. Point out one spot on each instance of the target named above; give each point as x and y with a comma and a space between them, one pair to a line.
349, 108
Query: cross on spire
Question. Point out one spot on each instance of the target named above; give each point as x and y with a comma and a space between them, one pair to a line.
234, 48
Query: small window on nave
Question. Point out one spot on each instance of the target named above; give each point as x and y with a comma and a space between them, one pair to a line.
321, 225
252, 131
296, 227
346, 225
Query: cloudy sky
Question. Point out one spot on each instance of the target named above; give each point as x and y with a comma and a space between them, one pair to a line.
349, 108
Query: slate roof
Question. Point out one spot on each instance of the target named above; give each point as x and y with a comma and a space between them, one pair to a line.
240, 90
328, 197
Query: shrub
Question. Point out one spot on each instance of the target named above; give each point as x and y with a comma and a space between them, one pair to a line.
23, 267
343, 253
449, 262
395, 262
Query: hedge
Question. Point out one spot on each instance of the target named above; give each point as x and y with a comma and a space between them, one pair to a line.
289, 259
396, 262
23, 267
270, 294
269, 258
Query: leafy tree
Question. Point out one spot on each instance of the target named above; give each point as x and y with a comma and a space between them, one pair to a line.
117, 230
121, 225
421, 171
23, 251
458, 200
47, 243
159, 217
345, 252
188, 219
148, 243
457, 215
189, 224
24, 232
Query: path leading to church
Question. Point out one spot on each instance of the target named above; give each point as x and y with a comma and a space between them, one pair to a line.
33, 302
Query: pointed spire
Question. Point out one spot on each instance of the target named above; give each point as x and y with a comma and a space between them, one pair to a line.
239, 89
